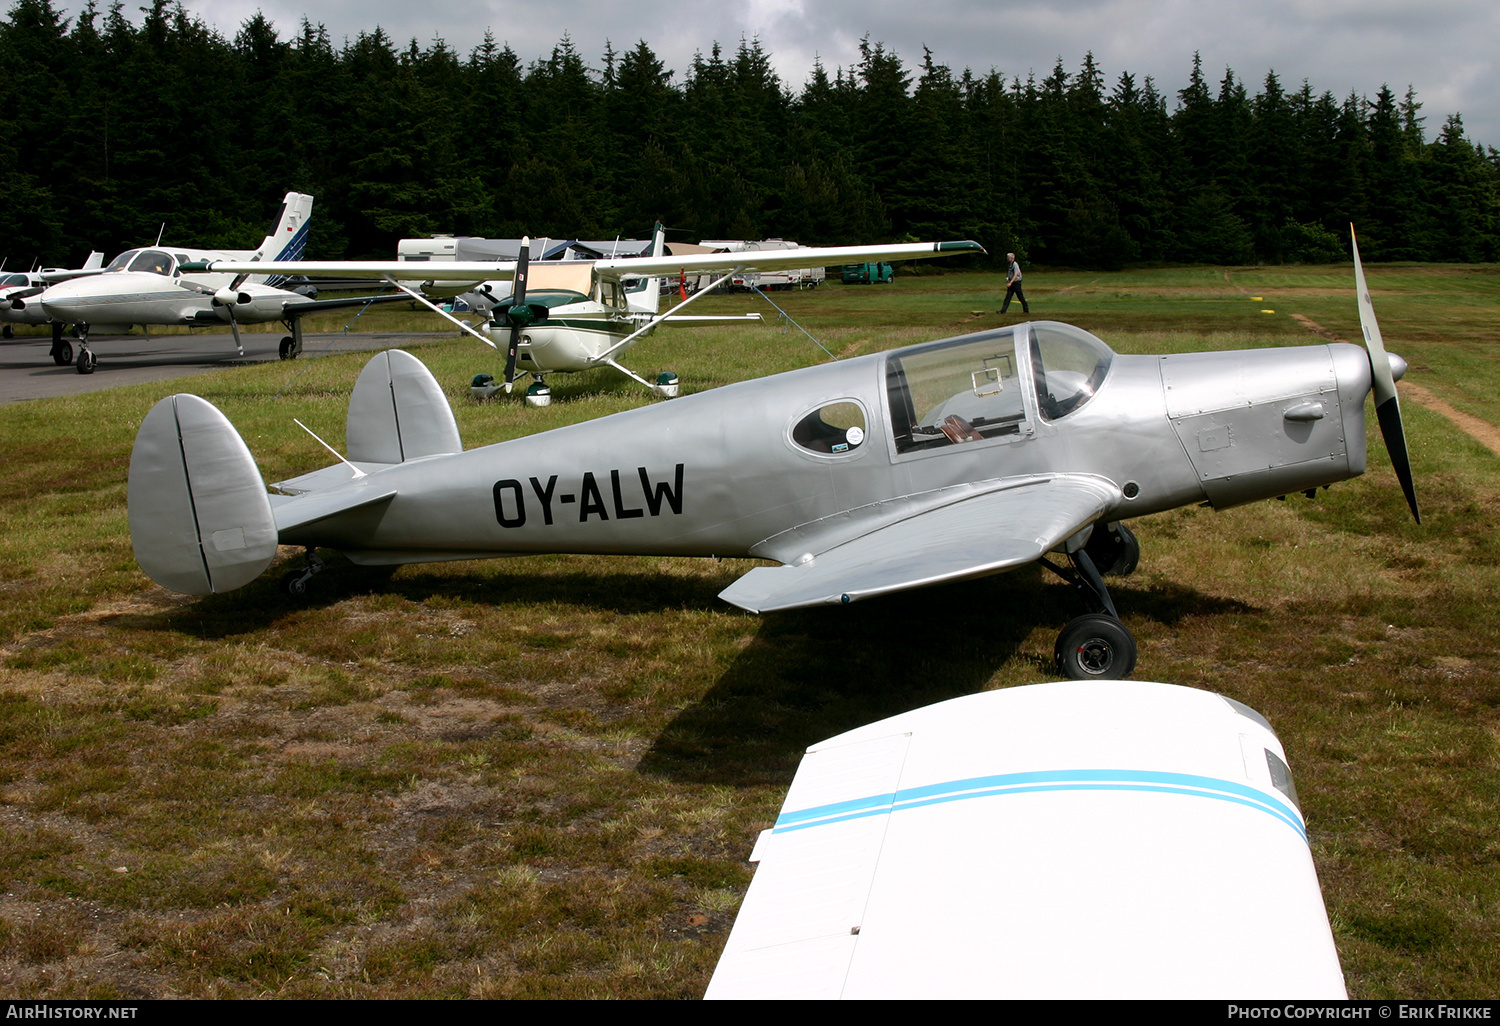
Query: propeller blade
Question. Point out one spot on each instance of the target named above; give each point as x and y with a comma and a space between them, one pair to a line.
1383, 385
234, 326
517, 310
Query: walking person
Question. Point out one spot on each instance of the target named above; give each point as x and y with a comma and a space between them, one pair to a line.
1013, 286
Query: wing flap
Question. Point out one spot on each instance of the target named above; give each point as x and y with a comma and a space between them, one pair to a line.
973, 537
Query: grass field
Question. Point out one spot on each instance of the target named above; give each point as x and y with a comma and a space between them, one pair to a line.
541, 777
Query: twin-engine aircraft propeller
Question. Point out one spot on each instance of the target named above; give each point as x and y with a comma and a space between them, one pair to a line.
1383, 385
229, 297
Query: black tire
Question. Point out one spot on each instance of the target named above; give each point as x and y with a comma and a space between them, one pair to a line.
62, 353
293, 584
1115, 553
1095, 647
288, 348
86, 361
7, 330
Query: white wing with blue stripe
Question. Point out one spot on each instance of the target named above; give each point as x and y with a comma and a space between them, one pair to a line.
1086, 839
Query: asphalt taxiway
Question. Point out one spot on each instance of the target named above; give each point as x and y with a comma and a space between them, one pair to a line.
28, 372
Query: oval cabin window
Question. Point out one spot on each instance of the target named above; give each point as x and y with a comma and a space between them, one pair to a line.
836, 428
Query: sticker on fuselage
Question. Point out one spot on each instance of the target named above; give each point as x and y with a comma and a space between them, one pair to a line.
621, 496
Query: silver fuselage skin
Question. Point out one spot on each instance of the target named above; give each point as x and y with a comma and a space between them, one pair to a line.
718, 472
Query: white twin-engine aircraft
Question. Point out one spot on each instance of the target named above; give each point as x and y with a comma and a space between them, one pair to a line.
20, 286
165, 285
566, 316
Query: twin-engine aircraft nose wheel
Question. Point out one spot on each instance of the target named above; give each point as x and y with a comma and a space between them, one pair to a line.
86, 361
1095, 647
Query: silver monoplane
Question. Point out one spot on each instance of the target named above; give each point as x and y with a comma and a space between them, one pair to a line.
937, 462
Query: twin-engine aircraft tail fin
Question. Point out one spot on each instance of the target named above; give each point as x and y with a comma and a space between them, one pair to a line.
288, 238
200, 519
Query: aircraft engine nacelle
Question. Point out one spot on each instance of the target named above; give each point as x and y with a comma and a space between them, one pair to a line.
229, 297
1266, 422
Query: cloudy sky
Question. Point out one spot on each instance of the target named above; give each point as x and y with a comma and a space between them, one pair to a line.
1446, 49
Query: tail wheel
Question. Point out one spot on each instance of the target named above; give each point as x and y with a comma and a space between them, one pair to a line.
1095, 647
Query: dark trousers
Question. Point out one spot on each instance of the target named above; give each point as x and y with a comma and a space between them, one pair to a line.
1015, 290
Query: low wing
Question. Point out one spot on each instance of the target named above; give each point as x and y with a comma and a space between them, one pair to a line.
313, 306
975, 536
618, 267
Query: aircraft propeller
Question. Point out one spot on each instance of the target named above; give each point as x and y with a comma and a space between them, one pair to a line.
1383, 384
519, 314
228, 298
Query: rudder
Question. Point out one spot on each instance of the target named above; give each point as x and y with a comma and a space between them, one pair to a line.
288, 238
200, 519
398, 412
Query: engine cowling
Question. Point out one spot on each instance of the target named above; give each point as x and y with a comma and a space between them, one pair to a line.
229, 297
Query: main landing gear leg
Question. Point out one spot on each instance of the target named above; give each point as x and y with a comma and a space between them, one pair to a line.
1095, 646
62, 349
294, 582
291, 345
666, 383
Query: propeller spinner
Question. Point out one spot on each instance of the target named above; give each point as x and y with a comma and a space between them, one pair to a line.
1383, 384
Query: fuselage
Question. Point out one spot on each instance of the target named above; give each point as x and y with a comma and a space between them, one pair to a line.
581, 327
146, 286
803, 461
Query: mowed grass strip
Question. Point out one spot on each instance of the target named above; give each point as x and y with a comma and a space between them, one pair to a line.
540, 777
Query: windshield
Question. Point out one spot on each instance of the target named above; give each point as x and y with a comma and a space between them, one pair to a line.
12, 279
1068, 365
153, 261
122, 261
549, 298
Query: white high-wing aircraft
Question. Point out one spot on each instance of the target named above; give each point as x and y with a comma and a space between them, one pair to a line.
1078, 840
154, 285
23, 285
574, 315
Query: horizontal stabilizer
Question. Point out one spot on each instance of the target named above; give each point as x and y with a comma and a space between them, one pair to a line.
990, 532
200, 519
320, 506
398, 412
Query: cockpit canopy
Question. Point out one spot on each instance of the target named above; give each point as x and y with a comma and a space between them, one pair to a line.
1068, 365
969, 389
11, 280
154, 261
